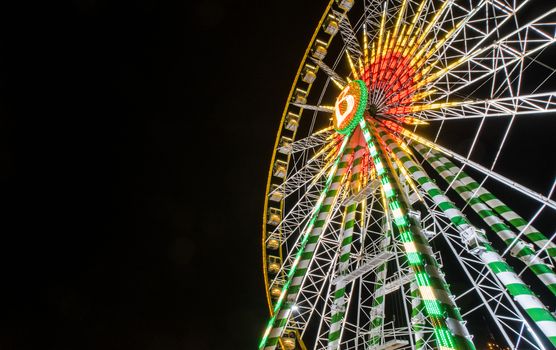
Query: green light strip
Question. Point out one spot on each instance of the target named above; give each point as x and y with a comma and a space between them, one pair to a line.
444, 337
304, 240
417, 323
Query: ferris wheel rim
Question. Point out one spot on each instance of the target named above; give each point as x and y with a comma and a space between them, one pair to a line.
273, 158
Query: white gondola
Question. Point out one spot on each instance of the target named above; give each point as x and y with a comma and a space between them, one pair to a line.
309, 74
274, 264
331, 26
274, 216
292, 121
319, 50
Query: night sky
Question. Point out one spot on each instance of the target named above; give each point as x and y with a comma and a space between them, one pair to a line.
135, 143
135, 138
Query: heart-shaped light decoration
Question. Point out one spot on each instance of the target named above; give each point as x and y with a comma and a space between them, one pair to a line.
350, 106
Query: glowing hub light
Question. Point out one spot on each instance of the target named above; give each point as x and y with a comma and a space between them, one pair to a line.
350, 106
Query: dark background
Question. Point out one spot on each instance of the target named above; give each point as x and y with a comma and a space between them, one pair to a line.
135, 138
135, 141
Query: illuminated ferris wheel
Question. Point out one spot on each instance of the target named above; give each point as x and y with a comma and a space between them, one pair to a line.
391, 220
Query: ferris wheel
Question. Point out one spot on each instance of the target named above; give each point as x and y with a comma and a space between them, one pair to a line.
392, 219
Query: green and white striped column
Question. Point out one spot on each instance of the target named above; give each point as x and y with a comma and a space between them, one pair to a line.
417, 305
309, 240
534, 235
519, 249
449, 328
515, 286
377, 308
417, 317
338, 307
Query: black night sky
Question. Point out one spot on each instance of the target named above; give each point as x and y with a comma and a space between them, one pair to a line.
135, 140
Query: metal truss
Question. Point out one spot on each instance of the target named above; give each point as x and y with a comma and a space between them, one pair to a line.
324, 109
329, 71
348, 35
479, 61
312, 141
533, 104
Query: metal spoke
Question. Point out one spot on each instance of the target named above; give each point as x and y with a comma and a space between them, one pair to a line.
534, 104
